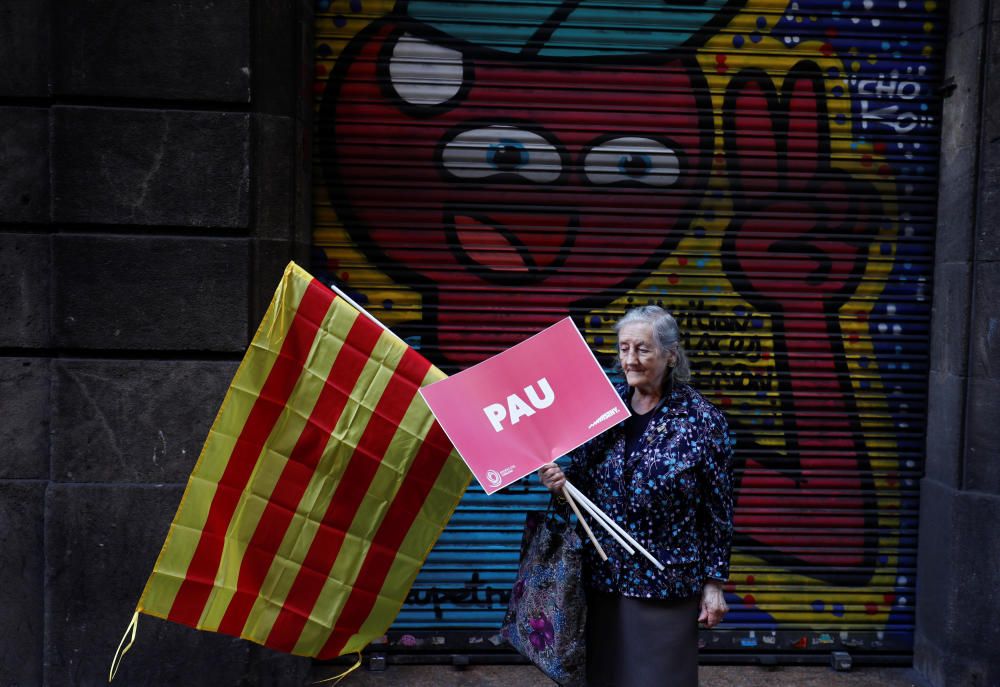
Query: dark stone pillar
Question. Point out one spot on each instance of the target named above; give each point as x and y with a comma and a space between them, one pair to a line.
958, 594
154, 182
25, 336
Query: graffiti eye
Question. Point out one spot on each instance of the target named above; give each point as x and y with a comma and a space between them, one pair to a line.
507, 155
423, 73
635, 165
501, 149
632, 159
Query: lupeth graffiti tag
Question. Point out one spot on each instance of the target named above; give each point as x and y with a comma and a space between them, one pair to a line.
764, 169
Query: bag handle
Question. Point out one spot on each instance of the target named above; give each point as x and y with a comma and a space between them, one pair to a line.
557, 508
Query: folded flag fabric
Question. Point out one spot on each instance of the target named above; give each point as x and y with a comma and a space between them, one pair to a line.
322, 486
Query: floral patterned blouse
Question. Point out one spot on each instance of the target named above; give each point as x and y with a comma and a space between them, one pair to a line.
673, 494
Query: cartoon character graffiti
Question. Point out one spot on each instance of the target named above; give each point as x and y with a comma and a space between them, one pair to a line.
515, 168
484, 155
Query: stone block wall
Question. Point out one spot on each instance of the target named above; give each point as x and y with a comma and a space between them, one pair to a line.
958, 596
153, 184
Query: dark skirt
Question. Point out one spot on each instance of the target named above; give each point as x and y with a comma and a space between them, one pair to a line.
641, 642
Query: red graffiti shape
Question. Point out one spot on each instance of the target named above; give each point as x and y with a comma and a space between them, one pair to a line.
797, 249
511, 202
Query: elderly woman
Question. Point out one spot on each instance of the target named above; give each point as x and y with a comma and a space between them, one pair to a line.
665, 475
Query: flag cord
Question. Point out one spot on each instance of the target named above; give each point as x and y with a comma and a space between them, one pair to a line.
116, 662
335, 680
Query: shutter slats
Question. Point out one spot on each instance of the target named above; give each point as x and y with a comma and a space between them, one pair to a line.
795, 245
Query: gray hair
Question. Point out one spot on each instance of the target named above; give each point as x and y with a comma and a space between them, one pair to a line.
666, 333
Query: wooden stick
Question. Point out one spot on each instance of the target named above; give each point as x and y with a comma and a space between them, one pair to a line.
586, 527
599, 516
606, 521
583, 499
631, 540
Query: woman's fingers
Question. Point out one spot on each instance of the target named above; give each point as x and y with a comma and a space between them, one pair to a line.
711, 617
551, 476
554, 479
713, 606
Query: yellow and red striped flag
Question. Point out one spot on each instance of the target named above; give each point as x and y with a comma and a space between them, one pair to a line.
320, 490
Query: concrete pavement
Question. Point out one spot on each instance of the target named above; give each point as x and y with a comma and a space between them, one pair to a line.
710, 676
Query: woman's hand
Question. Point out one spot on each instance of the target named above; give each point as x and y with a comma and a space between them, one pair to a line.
552, 477
713, 604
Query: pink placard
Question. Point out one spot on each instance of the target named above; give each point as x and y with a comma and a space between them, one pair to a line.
525, 407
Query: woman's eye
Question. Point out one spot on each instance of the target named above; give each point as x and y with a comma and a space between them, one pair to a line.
632, 159
500, 149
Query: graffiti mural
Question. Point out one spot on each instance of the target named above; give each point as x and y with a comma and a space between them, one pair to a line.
763, 168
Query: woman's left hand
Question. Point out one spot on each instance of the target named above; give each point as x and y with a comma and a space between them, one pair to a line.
713, 604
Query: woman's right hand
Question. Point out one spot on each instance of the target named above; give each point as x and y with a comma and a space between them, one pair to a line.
552, 477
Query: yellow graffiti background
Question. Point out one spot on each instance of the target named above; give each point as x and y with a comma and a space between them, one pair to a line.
329, 233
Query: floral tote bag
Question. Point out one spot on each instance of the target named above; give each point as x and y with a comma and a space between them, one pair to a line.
547, 615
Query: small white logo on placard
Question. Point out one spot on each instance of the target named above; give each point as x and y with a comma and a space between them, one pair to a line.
493, 477
610, 414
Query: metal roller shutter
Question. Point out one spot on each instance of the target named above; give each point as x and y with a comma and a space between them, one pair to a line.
764, 169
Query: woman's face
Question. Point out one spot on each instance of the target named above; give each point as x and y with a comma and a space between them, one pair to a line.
643, 361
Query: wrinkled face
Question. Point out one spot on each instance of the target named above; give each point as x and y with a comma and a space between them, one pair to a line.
487, 181
643, 361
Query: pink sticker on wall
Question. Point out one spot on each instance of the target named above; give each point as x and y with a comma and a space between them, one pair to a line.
525, 407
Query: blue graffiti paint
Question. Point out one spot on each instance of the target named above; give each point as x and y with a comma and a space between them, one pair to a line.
589, 29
